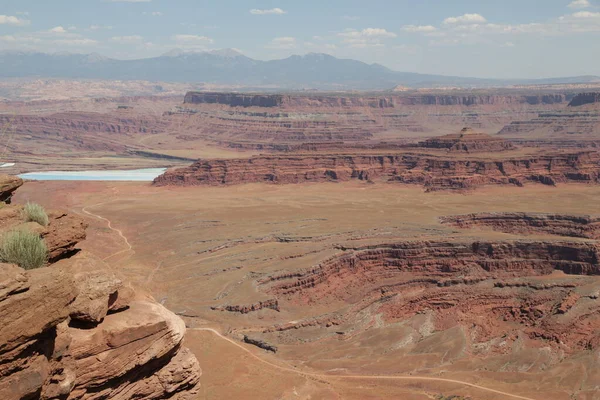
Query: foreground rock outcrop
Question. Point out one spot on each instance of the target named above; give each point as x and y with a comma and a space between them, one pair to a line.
433, 172
74, 330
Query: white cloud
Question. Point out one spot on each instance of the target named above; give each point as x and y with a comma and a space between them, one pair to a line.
26, 13
465, 19
127, 39
58, 29
192, 39
275, 11
508, 44
586, 14
369, 37
12, 20
72, 28
580, 4
368, 33
78, 42
99, 27
419, 28
282, 43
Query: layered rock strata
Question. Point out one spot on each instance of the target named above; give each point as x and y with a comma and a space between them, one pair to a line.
585, 98
467, 141
434, 173
583, 226
384, 101
499, 294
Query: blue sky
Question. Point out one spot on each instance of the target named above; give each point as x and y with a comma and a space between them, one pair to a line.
482, 38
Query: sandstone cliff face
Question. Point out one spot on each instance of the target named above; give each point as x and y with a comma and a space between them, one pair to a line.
499, 293
387, 101
585, 98
468, 141
233, 99
583, 226
74, 330
434, 173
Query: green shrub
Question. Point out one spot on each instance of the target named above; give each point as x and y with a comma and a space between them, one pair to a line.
24, 248
36, 213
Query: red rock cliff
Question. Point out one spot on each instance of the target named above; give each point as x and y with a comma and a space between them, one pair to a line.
432, 172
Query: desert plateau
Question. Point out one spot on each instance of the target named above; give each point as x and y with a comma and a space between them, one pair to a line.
293, 216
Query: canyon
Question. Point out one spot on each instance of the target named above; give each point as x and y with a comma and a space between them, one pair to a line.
406, 244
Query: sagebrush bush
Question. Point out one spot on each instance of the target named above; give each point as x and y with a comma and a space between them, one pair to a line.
36, 213
24, 248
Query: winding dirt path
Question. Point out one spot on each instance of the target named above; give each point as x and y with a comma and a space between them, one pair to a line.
109, 223
365, 377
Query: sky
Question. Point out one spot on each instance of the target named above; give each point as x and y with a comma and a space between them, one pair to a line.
476, 38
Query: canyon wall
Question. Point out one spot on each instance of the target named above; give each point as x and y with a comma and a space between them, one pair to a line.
583, 226
585, 98
382, 101
434, 173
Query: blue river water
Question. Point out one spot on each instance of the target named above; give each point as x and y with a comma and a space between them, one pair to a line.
134, 175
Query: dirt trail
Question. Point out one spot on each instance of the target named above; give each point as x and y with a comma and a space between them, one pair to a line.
119, 232
366, 377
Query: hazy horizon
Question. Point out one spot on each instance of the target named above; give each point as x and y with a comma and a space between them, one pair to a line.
501, 40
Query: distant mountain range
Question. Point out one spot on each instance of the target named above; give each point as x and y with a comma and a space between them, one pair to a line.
229, 67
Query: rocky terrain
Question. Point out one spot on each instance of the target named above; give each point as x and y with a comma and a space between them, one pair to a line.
585, 98
433, 172
381, 101
467, 141
75, 330
582, 226
490, 288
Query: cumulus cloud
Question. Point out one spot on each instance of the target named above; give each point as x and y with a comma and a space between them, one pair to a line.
282, 43
127, 39
586, 14
466, 19
369, 37
368, 33
58, 29
76, 42
192, 39
419, 28
12, 20
580, 4
99, 27
51, 40
275, 11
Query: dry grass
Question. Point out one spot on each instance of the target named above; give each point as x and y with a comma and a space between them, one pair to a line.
33, 212
24, 248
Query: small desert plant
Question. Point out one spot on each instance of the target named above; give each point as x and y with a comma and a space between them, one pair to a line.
36, 213
24, 248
